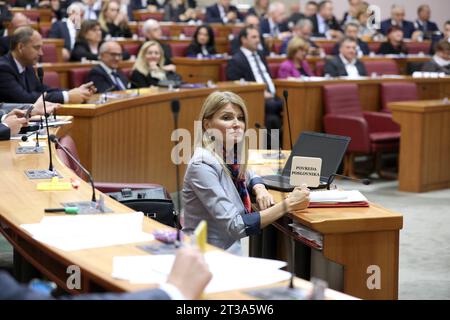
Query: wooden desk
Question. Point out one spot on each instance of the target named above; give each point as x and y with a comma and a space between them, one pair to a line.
128, 140
21, 203
355, 238
194, 70
425, 144
306, 104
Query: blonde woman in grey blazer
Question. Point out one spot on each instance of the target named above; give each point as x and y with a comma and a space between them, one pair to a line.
217, 184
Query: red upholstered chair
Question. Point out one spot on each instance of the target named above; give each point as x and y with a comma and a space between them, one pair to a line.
179, 49
327, 46
50, 53
141, 15
78, 76
415, 47
397, 91
166, 31
104, 187
131, 48
189, 31
320, 66
371, 132
44, 30
51, 79
127, 72
223, 72
273, 69
277, 47
381, 67
374, 46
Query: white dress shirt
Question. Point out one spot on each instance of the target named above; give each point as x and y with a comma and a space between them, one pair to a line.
321, 24
253, 65
72, 32
350, 67
223, 14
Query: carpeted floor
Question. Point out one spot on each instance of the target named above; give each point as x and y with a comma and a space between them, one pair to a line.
424, 240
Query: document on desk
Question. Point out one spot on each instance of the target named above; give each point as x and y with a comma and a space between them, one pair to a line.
71, 233
337, 198
230, 272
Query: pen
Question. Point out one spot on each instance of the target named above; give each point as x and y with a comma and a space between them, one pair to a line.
68, 210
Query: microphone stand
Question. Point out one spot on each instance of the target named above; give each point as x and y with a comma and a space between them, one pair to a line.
331, 178
175, 107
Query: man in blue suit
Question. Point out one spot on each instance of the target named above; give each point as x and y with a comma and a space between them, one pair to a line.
18, 80
275, 25
428, 28
187, 280
222, 12
398, 19
67, 28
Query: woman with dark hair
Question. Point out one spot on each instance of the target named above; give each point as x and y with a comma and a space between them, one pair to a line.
394, 43
88, 41
202, 42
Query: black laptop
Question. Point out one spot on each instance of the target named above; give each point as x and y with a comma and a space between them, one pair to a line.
330, 148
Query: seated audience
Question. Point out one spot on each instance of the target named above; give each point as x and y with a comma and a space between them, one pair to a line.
148, 69
351, 30
249, 64
296, 64
18, 20
5, 16
366, 32
423, 24
153, 32
92, 9
106, 76
275, 24
202, 43
67, 28
156, 5
18, 79
222, 12
250, 20
311, 9
113, 22
259, 9
398, 19
27, 3
88, 41
325, 24
394, 43
179, 11
303, 29
441, 59
350, 15
346, 63
217, 184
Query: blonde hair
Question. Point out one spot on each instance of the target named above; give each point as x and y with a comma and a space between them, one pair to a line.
294, 45
141, 63
213, 103
101, 16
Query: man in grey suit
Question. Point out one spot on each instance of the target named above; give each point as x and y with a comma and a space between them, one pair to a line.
187, 280
346, 63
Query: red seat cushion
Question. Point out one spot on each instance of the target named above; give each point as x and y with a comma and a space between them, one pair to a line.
397, 91
384, 136
381, 67
78, 76
50, 54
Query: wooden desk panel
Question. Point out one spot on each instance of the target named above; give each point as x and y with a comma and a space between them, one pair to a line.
129, 140
198, 70
425, 144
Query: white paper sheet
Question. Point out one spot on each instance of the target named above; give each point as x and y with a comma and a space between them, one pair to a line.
337, 196
70, 233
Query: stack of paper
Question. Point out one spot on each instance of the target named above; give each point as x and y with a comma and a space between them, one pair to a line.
337, 198
229, 272
89, 231
310, 237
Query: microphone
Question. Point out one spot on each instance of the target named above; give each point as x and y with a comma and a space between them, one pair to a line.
55, 140
40, 74
25, 137
331, 178
285, 95
175, 108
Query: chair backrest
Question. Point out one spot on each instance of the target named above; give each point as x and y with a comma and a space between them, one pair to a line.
374, 46
320, 67
415, 47
342, 99
142, 15
127, 72
276, 47
327, 46
397, 91
131, 48
189, 31
50, 54
223, 72
44, 29
78, 76
179, 49
273, 69
381, 67
70, 145
51, 79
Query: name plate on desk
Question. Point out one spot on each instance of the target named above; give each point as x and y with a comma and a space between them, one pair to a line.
306, 170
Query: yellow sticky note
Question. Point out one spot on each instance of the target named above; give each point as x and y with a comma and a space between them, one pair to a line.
201, 233
54, 185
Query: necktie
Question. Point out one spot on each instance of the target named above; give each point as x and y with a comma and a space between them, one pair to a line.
261, 73
117, 81
23, 80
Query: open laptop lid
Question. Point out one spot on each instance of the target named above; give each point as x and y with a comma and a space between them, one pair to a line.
330, 148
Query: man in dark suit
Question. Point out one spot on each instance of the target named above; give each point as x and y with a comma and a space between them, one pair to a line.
18, 80
275, 25
187, 279
18, 20
303, 29
351, 30
324, 22
67, 28
398, 19
152, 31
249, 64
428, 28
5, 16
222, 12
346, 63
441, 59
106, 76
250, 20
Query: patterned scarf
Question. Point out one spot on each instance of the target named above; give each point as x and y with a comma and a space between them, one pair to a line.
239, 183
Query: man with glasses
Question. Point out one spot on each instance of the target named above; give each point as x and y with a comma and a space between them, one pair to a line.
106, 76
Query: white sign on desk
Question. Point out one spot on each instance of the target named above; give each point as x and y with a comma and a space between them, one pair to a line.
306, 170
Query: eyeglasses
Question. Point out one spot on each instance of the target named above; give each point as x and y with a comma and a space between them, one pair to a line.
114, 54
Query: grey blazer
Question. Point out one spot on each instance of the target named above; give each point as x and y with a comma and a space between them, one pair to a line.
210, 194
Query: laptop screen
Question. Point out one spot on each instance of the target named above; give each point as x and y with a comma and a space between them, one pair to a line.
330, 148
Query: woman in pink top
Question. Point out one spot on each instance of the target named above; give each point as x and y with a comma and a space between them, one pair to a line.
296, 64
